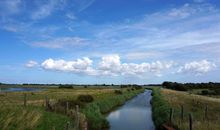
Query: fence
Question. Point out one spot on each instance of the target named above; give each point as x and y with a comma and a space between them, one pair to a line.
78, 119
183, 117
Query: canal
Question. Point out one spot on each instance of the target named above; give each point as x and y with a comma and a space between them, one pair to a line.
135, 114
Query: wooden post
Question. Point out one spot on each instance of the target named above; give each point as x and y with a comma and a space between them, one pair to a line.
68, 125
182, 112
25, 99
190, 122
67, 107
46, 103
171, 115
77, 116
206, 112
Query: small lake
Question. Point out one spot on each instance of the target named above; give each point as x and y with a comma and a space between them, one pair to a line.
20, 89
133, 115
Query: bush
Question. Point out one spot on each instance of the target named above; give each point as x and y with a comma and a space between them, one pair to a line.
205, 92
85, 98
118, 92
66, 86
72, 103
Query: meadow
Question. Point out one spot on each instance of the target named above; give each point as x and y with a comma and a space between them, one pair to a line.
34, 115
205, 110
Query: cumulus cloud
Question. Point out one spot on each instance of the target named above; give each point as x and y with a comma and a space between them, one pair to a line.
197, 67
78, 66
31, 64
110, 65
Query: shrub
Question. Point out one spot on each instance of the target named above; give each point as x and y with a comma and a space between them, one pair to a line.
85, 98
66, 86
118, 92
205, 92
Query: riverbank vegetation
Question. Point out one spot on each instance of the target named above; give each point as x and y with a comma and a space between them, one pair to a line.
95, 111
160, 108
61, 112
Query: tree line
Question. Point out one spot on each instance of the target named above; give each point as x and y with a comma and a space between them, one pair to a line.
210, 88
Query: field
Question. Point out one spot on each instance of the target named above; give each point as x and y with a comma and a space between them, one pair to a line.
205, 110
14, 115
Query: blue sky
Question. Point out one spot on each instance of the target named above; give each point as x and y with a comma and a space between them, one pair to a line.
109, 41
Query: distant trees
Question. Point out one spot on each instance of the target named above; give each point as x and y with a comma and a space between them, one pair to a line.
187, 86
69, 86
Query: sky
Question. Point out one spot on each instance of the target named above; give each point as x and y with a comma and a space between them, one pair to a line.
109, 41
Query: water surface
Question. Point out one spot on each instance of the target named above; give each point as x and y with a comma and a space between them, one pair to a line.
20, 89
134, 115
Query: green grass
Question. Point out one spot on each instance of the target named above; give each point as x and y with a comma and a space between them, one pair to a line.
194, 104
30, 118
34, 117
160, 109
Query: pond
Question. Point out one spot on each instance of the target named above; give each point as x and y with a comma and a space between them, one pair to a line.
133, 115
20, 89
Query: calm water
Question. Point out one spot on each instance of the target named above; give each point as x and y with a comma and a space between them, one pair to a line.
134, 115
20, 89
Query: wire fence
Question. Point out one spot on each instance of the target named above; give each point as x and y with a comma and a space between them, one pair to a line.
11, 108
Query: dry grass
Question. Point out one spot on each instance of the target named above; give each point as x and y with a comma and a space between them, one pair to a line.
194, 104
14, 116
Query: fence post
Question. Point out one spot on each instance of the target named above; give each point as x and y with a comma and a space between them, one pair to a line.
182, 112
67, 107
171, 115
206, 112
190, 122
25, 99
46, 103
68, 125
77, 116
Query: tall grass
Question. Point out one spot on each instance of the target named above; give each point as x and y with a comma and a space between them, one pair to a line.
30, 118
160, 109
95, 111
196, 105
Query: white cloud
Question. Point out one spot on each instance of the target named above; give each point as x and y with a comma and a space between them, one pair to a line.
62, 42
31, 64
197, 67
79, 66
110, 65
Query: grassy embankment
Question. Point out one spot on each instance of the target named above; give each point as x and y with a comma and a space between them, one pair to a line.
196, 105
13, 115
160, 108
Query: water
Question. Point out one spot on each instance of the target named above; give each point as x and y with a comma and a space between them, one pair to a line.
134, 115
20, 89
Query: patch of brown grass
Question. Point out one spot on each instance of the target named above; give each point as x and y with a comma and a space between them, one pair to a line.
194, 104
